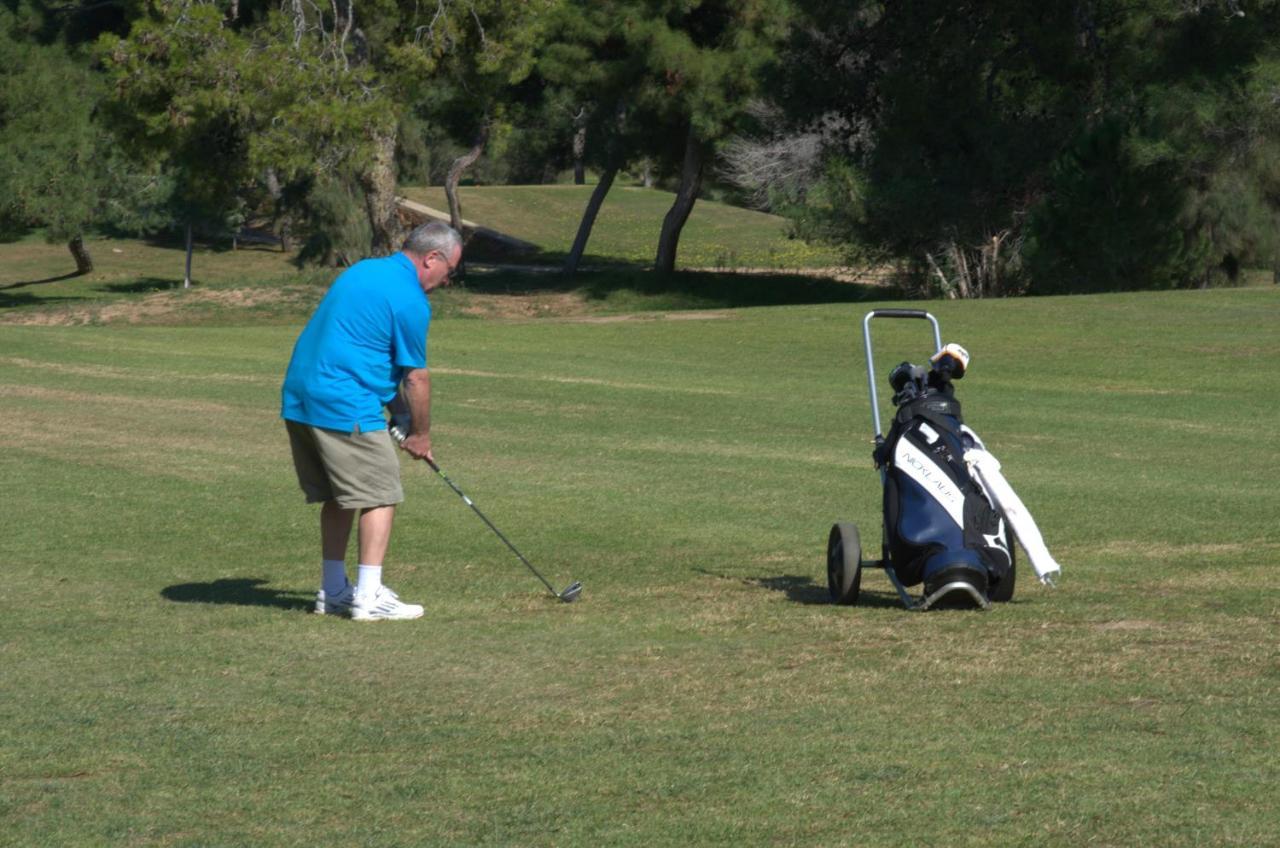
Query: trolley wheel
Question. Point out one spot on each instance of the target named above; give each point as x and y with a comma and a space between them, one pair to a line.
844, 563
1003, 591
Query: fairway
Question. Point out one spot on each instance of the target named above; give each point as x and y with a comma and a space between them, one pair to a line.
165, 685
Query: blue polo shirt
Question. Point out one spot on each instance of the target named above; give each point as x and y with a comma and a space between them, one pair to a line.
370, 327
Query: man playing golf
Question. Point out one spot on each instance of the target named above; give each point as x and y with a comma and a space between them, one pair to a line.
367, 337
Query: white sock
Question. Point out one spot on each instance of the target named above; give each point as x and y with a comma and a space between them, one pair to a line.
335, 576
368, 580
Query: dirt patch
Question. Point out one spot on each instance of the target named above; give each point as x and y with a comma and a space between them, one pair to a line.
882, 276
691, 315
526, 306
569, 307
156, 307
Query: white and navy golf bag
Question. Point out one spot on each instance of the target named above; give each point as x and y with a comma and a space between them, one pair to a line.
941, 528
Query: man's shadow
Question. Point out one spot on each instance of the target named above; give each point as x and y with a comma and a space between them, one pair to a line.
245, 591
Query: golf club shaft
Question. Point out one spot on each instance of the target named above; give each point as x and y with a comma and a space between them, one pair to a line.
484, 518
569, 594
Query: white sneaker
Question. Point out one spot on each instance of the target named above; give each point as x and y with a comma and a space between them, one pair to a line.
339, 604
383, 605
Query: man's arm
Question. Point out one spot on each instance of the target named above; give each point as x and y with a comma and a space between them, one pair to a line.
416, 390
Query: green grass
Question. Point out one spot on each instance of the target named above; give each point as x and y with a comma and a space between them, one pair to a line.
141, 280
716, 235
163, 684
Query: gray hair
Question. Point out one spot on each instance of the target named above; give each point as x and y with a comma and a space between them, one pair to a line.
435, 235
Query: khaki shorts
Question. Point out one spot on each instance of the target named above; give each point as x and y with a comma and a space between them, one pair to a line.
356, 470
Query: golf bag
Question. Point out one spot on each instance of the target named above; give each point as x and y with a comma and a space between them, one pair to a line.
940, 526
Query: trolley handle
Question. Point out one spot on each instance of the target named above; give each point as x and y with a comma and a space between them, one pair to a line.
899, 313
866, 341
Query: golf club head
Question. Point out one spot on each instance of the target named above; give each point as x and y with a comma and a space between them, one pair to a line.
571, 592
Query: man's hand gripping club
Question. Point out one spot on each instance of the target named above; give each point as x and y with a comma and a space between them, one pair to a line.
411, 413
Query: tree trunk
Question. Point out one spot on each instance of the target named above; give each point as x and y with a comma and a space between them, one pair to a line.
379, 183
186, 279
80, 253
690, 182
589, 219
580, 147
282, 224
459, 165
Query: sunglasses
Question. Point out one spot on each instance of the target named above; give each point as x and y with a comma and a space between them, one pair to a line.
454, 273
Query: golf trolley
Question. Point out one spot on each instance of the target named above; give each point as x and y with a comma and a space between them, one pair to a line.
949, 516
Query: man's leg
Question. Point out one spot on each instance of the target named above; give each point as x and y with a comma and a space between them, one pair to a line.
372, 599
375, 533
335, 530
375, 536
335, 523
363, 471
335, 533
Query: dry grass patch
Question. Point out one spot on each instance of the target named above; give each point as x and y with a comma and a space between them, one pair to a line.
131, 374
178, 306
585, 381
81, 400
520, 307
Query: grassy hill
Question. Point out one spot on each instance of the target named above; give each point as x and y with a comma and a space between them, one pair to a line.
138, 281
165, 685
716, 236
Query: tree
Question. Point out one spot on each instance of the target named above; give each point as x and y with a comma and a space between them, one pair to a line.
661, 78
59, 168
473, 57
176, 83
1192, 152
227, 97
706, 61
49, 175
589, 60
948, 115
773, 166
614, 156
1004, 147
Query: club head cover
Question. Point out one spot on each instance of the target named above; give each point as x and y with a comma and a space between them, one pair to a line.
952, 360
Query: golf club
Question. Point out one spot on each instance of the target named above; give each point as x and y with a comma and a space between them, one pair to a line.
570, 593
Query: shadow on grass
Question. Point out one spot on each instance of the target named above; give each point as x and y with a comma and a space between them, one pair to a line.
244, 591
69, 276
805, 590
142, 286
8, 301
685, 289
